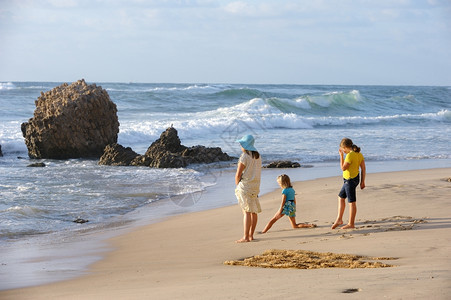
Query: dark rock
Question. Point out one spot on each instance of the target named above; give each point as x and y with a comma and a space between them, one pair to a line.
141, 160
1, 154
117, 155
37, 165
202, 154
169, 142
168, 152
283, 164
71, 121
167, 160
80, 220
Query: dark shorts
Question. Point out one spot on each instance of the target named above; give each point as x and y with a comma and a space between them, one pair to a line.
348, 189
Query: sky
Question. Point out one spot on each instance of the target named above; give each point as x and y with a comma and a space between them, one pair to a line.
343, 42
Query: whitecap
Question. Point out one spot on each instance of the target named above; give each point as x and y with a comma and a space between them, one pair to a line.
7, 86
303, 102
444, 115
25, 210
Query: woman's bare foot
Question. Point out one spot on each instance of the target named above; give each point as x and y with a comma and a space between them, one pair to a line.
336, 224
311, 225
348, 227
242, 241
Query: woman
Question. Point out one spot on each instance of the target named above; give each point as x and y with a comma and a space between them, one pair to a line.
247, 180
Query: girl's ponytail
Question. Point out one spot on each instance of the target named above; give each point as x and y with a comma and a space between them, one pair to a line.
349, 144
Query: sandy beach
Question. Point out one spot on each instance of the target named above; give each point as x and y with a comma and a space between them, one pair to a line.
401, 215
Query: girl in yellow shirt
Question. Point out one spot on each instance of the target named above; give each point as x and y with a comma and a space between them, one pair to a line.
351, 178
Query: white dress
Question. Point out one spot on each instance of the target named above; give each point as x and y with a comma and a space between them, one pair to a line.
248, 188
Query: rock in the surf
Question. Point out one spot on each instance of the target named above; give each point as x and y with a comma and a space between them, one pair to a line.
71, 121
37, 165
168, 152
80, 220
283, 164
165, 152
117, 155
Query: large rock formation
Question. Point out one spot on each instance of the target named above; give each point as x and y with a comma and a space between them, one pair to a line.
166, 152
71, 121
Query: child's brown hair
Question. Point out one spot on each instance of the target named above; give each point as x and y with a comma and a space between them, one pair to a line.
284, 180
349, 144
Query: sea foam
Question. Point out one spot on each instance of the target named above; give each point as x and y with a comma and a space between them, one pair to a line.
7, 86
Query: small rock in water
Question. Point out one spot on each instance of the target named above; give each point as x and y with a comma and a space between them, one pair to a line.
80, 220
283, 164
37, 165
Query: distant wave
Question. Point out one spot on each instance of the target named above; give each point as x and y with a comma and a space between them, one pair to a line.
28, 86
443, 115
347, 99
7, 86
243, 92
145, 88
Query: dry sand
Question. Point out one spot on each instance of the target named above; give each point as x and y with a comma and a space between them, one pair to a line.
401, 215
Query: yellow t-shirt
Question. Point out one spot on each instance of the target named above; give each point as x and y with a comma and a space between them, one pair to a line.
354, 159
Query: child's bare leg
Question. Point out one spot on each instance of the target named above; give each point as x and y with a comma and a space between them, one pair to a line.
293, 222
246, 226
271, 222
341, 210
352, 214
300, 225
254, 219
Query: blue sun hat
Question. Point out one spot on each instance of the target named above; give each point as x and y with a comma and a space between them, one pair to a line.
247, 142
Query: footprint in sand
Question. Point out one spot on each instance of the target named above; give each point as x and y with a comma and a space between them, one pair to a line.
344, 236
395, 223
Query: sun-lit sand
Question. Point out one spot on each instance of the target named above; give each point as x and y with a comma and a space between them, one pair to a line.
403, 223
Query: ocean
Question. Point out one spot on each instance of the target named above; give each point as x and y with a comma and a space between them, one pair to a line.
397, 127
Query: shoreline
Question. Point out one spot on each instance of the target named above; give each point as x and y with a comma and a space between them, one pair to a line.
186, 214
197, 252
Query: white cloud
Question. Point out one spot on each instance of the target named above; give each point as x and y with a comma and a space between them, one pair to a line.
63, 3
259, 10
238, 7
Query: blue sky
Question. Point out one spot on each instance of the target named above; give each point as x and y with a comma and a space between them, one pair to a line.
397, 42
